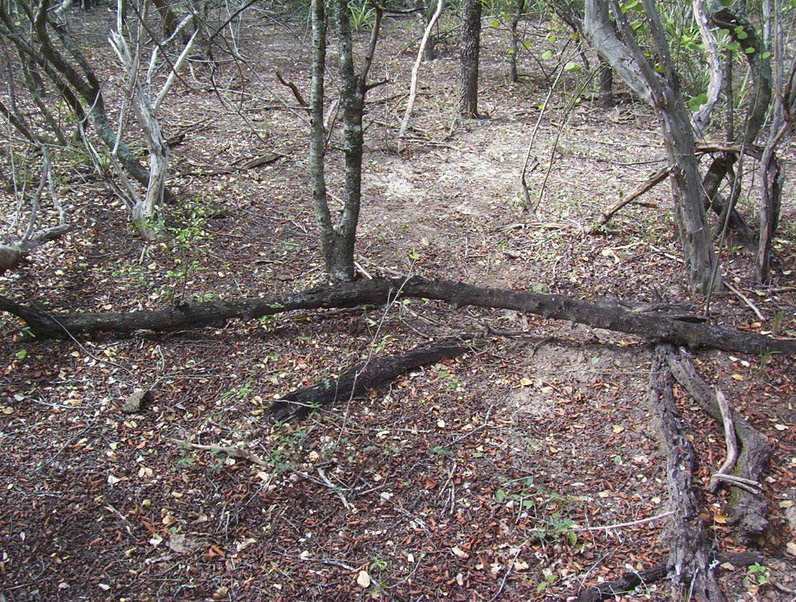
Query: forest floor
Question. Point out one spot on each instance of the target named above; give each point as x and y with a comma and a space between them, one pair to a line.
479, 478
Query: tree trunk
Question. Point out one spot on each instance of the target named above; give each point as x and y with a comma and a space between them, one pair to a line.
662, 93
430, 48
606, 92
318, 133
721, 167
338, 241
691, 219
515, 41
470, 50
170, 20
352, 99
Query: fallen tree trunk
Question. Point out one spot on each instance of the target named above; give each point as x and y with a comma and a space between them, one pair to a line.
690, 564
44, 324
633, 579
748, 511
363, 377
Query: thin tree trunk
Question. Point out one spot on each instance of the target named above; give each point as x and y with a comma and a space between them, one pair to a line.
338, 241
515, 41
352, 98
470, 50
695, 235
318, 133
429, 50
661, 91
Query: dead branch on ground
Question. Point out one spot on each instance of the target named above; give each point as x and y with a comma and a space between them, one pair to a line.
748, 508
689, 563
47, 324
633, 579
363, 377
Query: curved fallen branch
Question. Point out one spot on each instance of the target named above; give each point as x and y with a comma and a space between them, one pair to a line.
748, 509
45, 324
365, 376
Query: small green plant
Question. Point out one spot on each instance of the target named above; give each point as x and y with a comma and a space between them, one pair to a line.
360, 14
548, 509
451, 382
286, 446
759, 574
186, 462
268, 322
547, 579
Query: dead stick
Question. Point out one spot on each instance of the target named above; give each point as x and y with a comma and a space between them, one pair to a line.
413, 85
294, 89
231, 451
655, 179
729, 438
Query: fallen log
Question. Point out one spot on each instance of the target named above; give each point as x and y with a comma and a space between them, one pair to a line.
633, 579
748, 510
690, 565
45, 324
363, 377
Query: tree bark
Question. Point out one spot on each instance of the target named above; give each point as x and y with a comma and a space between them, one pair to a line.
338, 240
691, 219
606, 92
689, 562
352, 100
317, 170
470, 50
428, 52
45, 324
519, 9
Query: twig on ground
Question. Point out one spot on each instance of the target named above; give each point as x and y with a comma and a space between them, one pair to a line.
623, 525
746, 300
230, 450
506, 576
335, 489
740, 482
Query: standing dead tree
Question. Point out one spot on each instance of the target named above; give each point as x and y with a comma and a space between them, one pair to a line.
410, 104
